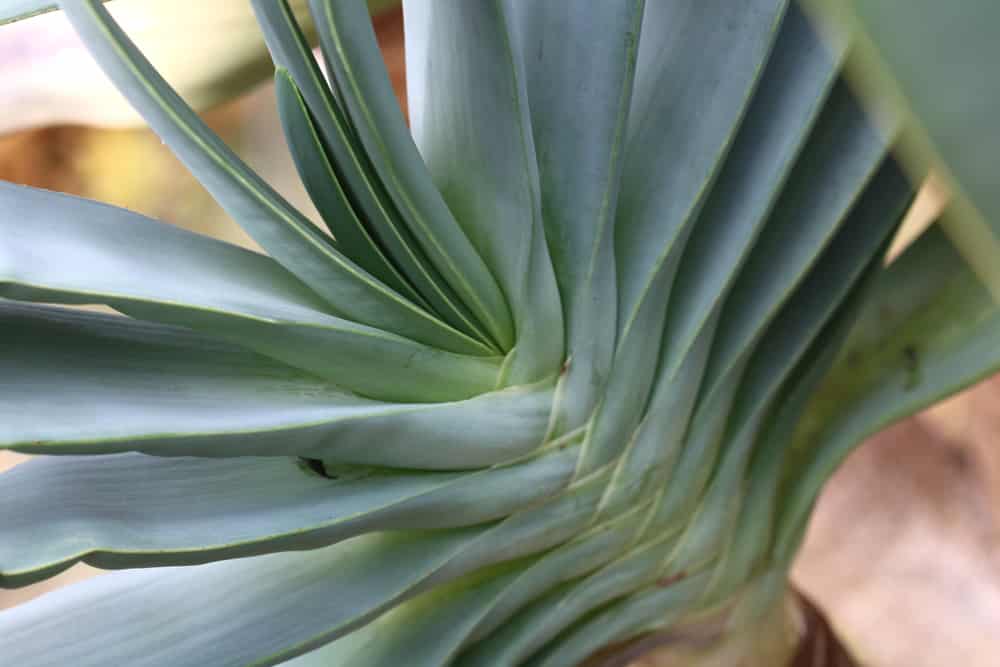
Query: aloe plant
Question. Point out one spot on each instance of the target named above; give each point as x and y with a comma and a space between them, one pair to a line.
579, 350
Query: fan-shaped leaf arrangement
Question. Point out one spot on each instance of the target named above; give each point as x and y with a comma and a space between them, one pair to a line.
540, 388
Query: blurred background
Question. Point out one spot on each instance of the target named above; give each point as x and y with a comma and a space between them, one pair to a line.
903, 553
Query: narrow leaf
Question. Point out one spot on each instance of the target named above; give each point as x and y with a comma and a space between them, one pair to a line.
265, 609
425, 632
277, 226
694, 79
133, 265
843, 154
652, 607
371, 202
481, 156
130, 386
63, 510
323, 186
533, 627
352, 54
250, 611
578, 68
855, 252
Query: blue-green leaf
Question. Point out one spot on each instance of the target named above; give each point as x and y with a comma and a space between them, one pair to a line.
929, 329
265, 609
694, 79
784, 109
655, 606
63, 249
352, 54
579, 67
373, 207
750, 542
181, 511
540, 622
929, 65
130, 386
324, 188
425, 632
843, 154
250, 611
839, 274
288, 236
480, 154
855, 248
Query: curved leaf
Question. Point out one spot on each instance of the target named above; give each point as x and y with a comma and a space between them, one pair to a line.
481, 156
855, 248
249, 611
793, 89
694, 79
784, 109
579, 67
130, 386
750, 542
929, 329
537, 624
946, 97
657, 606
373, 206
353, 58
133, 263
472, 607
289, 237
323, 185
265, 609
425, 632
704, 484
131, 510
842, 155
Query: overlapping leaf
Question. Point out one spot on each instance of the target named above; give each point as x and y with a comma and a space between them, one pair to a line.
353, 58
288, 236
128, 386
130, 510
678, 208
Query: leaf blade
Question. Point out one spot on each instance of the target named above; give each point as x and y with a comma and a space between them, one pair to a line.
133, 263
928, 330
129, 386
480, 155
324, 188
352, 54
64, 510
274, 223
373, 205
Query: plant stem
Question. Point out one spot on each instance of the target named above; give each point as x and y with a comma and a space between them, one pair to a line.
793, 632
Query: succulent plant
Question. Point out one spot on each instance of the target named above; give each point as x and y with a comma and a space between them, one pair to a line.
569, 365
